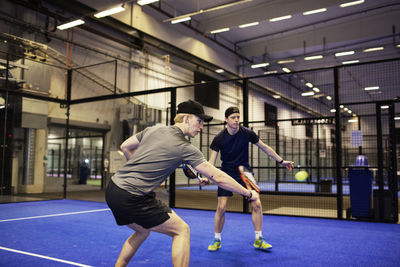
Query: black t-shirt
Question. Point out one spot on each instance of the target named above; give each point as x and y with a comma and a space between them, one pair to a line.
234, 149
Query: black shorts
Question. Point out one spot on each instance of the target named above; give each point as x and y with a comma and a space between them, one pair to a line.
127, 208
226, 193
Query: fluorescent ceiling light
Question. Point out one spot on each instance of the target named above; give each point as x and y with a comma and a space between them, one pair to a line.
396, 118
349, 111
260, 65
220, 30
70, 24
384, 107
313, 57
146, 2
286, 70
350, 62
280, 18
219, 71
308, 93
352, 3
249, 24
373, 49
353, 120
276, 96
109, 12
315, 89
211, 9
340, 54
345, 109
328, 97
314, 11
310, 85
271, 72
286, 61
341, 106
333, 110
398, 45
371, 88
180, 20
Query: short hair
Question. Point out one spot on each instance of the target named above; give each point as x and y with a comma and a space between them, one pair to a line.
179, 117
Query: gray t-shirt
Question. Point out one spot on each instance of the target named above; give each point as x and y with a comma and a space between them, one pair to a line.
161, 150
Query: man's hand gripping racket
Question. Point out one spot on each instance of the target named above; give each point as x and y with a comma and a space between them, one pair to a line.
248, 179
191, 173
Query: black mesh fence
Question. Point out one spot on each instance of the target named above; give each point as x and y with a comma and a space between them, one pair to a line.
307, 135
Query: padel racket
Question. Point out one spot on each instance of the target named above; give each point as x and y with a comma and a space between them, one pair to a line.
191, 173
248, 179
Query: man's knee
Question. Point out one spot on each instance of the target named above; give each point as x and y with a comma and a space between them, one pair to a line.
183, 229
257, 206
221, 208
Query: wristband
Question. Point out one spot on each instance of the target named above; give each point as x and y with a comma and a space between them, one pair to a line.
280, 162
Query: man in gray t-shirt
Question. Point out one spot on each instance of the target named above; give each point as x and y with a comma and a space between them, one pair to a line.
153, 155
147, 170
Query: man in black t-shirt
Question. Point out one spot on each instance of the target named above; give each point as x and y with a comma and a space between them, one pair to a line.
233, 143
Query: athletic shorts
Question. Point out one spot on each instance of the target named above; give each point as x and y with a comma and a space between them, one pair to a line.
127, 208
225, 193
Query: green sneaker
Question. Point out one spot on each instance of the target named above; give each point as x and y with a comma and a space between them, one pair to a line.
215, 245
261, 244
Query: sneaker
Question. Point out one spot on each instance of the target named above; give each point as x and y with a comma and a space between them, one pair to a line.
215, 245
261, 244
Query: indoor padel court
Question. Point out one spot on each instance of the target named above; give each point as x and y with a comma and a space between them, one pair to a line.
298, 101
83, 233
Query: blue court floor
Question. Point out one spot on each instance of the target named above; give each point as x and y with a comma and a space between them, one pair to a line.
83, 233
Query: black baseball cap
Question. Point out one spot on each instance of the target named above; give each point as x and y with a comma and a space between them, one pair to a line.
230, 111
195, 108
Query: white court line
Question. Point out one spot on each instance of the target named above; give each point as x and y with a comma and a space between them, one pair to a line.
44, 257
53, 215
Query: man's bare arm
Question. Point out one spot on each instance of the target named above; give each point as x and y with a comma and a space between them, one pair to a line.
213, 157
224, 180
129, 146
270, 152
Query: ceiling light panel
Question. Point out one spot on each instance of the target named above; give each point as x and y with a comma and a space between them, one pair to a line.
373, 49
286, 61
346, 53
109, 12
281, 18
260, 65
315, 11
71, 24
352, 3
219, 30
350, 62
308, 93
370, 88
180, 20
313, 57
249, 24
146, 2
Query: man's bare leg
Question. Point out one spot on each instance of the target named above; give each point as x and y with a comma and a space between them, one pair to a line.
219, 218
132, 244
180, 232
256, 215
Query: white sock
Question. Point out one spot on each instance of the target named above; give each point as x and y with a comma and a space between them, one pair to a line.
258, 234
218, 235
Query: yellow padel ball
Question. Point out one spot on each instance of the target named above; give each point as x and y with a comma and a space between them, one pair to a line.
301, 176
